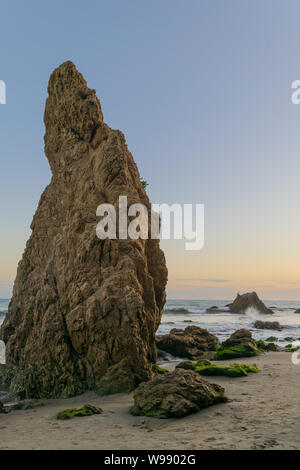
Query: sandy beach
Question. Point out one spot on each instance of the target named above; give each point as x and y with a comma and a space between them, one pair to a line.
263, 414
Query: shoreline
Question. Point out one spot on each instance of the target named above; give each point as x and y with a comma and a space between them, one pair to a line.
262, 414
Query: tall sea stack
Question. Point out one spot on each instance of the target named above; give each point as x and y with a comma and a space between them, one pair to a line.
84, 311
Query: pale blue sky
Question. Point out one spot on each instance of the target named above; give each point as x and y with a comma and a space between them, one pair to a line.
201, 89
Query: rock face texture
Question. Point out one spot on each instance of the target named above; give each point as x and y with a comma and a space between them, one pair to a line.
190, 343
83, 309
249, 300
176, 394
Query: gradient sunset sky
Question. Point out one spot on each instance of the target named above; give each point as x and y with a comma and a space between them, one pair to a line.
202, 91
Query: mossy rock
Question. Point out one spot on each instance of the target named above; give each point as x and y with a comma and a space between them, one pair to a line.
191, 365
233, 352
271, 339
288, 338
206, 368
159, 370
232, 370
291, 348
86, 410
261, 345
176, 394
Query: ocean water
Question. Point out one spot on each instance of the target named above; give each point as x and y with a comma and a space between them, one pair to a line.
224, 324
3, 308
182, 313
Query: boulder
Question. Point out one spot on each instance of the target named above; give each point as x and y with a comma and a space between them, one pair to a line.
189, 343
239, 344
248, 300
298, 310
271, 339
83, 309
271, 347
267, 325
1, 407
175, 394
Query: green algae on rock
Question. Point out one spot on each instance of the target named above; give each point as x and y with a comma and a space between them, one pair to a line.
86, 410
191, 365
230, 370
159, 370
176, 394
239, 344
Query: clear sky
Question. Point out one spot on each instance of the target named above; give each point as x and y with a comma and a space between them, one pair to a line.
202, 91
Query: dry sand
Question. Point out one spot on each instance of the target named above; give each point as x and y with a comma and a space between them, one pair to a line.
263, 414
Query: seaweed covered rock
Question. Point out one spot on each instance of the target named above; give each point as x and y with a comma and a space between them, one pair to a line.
249, 300
82, 305
159, 370
207, 368
86, 410
175, 394
232, 370
239, 344
271, 339
192, 365
189, 343
267, 325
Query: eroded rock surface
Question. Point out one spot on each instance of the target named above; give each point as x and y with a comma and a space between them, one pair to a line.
190, 343
175, 394
249, 300
81, 306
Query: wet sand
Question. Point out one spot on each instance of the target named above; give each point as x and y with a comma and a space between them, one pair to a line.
263, 414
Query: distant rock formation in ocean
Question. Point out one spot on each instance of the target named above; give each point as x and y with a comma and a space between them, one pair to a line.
249, 300
267, 325
84, 311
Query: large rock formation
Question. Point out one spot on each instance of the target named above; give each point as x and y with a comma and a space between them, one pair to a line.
249, 300
84, 310
191, 342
